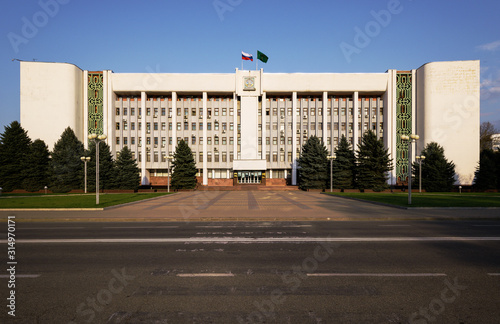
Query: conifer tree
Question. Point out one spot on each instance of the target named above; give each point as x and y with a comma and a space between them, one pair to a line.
373, 163
344, 165
127, 174
14, 149
66, 168
106, 167
437, 173
485, 176
184, 167
313, 162
36, 167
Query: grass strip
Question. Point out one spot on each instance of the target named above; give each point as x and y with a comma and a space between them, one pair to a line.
428, 199
73, 201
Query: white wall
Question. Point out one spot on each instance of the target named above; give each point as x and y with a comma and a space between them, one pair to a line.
448, 107
51, 100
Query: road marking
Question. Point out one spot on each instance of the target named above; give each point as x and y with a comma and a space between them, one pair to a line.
493, 274
394, 225
376, 274
189, 275
245, 240
486, 225
250, 226
47, 228
140, 227
21, 276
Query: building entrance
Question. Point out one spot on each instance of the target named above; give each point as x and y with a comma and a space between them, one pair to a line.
249, 177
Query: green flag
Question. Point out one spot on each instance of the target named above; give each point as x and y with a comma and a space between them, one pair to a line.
261, 56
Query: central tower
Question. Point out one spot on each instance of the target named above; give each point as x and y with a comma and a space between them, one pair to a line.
249, 92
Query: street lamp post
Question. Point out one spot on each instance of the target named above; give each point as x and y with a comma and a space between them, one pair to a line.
412, 138
170, 157
420, 158
85, 159
97, 138
331, 158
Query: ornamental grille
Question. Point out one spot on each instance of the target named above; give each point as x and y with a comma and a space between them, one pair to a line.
403, 123
95, 103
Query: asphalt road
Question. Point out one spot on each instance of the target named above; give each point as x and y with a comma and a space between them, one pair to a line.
255, 272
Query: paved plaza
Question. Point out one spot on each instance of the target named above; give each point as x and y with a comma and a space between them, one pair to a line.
251, 206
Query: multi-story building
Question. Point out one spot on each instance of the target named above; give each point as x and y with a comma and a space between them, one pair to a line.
249, 126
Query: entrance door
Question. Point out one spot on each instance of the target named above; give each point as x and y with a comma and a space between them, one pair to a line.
249, 177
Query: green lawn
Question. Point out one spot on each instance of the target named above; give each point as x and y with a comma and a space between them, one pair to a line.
429, 199
72, 200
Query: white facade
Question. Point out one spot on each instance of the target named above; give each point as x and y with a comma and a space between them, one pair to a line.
250, 124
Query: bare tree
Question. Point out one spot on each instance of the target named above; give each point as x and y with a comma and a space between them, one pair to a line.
487, 129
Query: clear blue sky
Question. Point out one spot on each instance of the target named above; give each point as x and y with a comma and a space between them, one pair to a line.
209, 35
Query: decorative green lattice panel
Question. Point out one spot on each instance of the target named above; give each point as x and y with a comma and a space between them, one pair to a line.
403, 123
95, 103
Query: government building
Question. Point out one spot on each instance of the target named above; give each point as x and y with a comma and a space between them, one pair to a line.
248, 127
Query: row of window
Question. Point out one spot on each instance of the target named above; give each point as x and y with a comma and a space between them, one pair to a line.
223, 126
216, 157
224, 111
180, 126
217, 140
125, 111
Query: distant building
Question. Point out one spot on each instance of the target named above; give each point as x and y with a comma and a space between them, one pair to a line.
495, 142
249, 126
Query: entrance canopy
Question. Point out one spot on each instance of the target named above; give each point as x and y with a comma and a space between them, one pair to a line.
245, 165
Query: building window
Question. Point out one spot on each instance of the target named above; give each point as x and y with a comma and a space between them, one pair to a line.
155, 126
163, 111
117, 111
118, 126
216, 140
209, 126
117, 141
224, 157
193, 111
209, 157
163, 125
231, 141
193, 126
125, 141
224, 141
193, 140
216, 157
200, 157
125, 125
224, 111
200, 126
216, 111
132, 125
178, 126
132, 140
209, 140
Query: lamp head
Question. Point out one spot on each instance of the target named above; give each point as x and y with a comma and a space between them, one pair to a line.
93, 136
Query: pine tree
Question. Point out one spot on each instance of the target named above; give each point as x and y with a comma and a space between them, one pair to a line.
14, 149
373, 163
344, 165
437, 173
486, 172
184, 167
65, 166
106, 167
127, 174
314, 167
36, 168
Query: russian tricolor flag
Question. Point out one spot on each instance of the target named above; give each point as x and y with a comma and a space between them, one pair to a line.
246, 56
